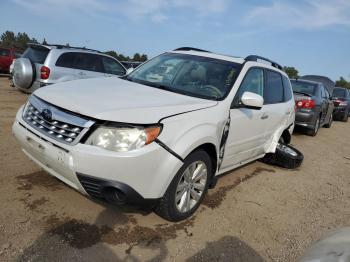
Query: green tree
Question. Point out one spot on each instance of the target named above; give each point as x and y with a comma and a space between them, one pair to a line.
136, 57
292, 72
8, 39
144, 58
342, 83
112, 53
44, 42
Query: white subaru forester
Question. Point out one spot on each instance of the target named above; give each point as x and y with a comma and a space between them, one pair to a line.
162, 133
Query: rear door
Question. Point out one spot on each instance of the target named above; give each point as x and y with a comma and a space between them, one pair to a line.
324, 104
65, 69
275, 107
89, 65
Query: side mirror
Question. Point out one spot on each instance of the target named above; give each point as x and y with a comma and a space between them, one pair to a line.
129, 70
252, 100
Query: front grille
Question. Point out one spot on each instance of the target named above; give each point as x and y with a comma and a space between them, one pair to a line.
92, 186
54, 122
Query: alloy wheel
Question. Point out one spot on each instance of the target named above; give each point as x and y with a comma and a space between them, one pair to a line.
191, 186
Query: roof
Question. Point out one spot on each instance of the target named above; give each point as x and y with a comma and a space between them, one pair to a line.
239, 60
326, 81
305, 81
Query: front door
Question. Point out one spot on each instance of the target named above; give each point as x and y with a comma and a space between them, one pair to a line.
246, 137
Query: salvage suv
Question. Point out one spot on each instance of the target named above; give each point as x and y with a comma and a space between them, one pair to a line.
162, 134
42, 65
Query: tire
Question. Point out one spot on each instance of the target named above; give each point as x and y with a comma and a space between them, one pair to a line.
168, 208
316, 127
345, 117
330, 121
24, 73
285, 156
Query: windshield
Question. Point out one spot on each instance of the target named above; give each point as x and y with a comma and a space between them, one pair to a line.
303, 87
36, 55
338, 92
197, 76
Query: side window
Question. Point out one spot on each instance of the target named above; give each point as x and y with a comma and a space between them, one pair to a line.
288, 93
252, 82
66, 60
4, 52
112, 67
273, 92
89, 62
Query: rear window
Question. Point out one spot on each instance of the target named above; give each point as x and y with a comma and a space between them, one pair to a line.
303, 87
4, 52
36, 55
273, 92
338, 92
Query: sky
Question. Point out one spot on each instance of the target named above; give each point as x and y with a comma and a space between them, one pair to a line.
311, 35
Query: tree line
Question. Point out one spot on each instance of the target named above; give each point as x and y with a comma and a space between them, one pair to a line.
20, 41
293, 73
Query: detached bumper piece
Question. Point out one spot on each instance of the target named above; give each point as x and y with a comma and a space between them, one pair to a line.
112, 191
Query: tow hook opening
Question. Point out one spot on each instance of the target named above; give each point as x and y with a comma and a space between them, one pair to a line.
114, 195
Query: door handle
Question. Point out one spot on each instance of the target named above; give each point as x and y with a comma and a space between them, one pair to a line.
265, 116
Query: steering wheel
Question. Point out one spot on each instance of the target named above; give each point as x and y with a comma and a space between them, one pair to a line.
213, 90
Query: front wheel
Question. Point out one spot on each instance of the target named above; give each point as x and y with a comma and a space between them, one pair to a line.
187, 189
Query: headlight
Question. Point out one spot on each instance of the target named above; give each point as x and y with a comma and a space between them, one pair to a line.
123, 139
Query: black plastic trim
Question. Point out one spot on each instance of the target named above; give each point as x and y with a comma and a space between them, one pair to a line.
100, 185
168, 149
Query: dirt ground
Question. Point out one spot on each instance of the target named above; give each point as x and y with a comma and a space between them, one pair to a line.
256, 213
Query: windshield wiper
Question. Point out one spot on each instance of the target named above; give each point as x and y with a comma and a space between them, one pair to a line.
302, 93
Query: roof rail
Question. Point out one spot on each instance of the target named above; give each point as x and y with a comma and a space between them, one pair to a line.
255, 58
58, 46
190, 49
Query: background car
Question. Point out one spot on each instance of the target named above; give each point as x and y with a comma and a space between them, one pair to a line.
326, 81
314, 107
42, 65
7, 55
341, 99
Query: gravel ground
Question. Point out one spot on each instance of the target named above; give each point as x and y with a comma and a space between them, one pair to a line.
256, 213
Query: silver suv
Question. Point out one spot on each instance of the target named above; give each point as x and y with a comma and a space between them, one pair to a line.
42, 65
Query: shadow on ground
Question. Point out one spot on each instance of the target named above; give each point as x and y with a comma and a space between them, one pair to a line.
228, 248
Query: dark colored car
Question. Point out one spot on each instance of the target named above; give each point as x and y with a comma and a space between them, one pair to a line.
314, 107
341, 100
6, 57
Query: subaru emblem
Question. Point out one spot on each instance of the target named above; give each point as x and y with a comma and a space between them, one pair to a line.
47, 114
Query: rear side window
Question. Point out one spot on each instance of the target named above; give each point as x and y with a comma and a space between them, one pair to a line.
112, 67
273, 92
89, 62
36, 55
252, 82
83, 61
4, 52
288, 93
66, 60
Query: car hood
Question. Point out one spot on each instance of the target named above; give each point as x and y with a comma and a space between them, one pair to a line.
119, 100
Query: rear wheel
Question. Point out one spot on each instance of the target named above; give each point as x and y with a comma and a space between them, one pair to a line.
346, 116
316, 127
186, 191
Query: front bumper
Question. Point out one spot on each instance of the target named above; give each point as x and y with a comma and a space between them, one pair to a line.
146, 172
305, 119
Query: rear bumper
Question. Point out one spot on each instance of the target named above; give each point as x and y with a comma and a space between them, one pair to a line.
141, 175
305, 119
